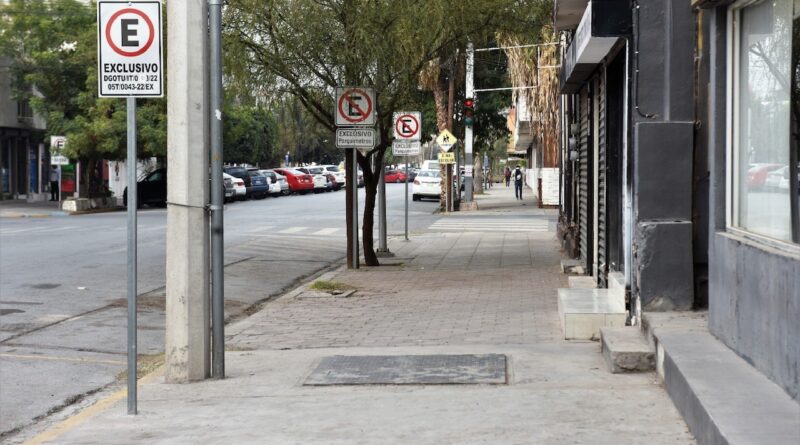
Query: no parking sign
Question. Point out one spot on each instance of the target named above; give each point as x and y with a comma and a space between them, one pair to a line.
129, 49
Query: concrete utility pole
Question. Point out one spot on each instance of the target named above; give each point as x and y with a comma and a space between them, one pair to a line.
187, 318
470, 93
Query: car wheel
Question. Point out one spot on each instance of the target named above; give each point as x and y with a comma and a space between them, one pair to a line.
415, 197
398, 181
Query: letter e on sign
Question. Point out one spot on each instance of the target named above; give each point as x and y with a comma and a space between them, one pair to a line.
129, 49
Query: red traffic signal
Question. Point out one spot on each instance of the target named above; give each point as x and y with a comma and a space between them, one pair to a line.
469, 111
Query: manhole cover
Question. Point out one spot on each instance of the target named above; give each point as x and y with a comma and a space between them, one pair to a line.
467, 369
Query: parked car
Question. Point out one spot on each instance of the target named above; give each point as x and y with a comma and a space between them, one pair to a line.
337, 173
239, 189
331, 183
151, 190
412, 174
272, 181
259, 187
394, 176
428, 184
320, 181
239, 172
284, 184
299, 182
775, 177
757, 174
229, 192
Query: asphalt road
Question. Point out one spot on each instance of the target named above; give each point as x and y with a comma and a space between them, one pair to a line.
63, 283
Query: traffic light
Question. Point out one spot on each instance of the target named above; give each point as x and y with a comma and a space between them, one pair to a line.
469, 112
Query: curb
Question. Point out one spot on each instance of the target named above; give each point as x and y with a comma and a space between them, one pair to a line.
33, 215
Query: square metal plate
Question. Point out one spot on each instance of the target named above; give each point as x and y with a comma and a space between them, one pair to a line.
463, 369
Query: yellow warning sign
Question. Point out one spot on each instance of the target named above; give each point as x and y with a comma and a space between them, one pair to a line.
447, 158
446, 140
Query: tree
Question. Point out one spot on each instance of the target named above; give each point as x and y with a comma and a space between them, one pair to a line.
52, 46
308, 47
249, 135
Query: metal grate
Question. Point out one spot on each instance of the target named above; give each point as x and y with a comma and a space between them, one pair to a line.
410, 370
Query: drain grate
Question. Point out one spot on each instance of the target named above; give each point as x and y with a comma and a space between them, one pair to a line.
466, 369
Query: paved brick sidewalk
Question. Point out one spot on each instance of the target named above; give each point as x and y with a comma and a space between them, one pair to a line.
487, 289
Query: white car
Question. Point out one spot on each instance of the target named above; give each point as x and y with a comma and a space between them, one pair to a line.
238, 186
320, 181
427, 184
272, 180
775, 177
338, 174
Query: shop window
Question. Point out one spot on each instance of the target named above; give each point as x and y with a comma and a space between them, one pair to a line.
764, 99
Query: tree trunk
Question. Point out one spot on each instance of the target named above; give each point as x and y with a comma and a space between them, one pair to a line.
371, 190
477, 185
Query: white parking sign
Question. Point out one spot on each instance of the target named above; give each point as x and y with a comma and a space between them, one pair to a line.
129, 50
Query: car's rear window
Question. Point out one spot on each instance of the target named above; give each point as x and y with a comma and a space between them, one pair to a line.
332, 168
293, 171
236, 171
316, 171
428, 173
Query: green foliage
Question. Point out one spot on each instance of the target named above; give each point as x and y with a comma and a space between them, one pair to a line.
249, 135
52, 45
302, 136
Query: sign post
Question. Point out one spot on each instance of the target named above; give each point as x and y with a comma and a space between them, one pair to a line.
407, 143
355, 108
129, 64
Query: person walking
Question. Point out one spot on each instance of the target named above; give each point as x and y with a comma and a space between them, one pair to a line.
54, 183
518, 182
508, 176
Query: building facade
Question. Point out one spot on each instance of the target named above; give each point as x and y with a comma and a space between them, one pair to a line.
679, 160
23, 157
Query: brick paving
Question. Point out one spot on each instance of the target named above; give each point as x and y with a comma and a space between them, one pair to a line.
443, 289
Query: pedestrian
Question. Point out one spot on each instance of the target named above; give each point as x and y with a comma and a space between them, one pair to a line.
518, 182
54, 183
508, 176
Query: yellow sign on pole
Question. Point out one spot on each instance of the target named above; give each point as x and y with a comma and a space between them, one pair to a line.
446, 140
447, 158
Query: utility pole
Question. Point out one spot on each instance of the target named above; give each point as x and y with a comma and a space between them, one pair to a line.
470, 93
187, 315
217, 194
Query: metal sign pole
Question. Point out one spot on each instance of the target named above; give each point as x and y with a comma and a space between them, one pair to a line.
406, 198
132, 273
355, 208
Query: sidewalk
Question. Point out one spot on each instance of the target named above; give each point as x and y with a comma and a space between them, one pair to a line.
479, 284
17, 208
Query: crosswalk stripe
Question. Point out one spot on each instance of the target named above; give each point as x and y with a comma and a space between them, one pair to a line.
328, 231
293, 230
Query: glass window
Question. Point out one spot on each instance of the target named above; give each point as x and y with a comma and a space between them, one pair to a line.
764, 150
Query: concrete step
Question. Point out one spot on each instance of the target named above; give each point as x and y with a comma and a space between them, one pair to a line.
721, 397
584, 311
626, 350
581, 281
572, 267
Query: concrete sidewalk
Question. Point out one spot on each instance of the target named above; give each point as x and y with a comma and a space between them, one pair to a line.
475, 283
17, 208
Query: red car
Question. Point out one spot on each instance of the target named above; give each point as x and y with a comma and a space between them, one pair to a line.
757, 174
299, 182
395, 176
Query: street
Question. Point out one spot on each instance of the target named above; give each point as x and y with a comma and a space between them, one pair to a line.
63, 286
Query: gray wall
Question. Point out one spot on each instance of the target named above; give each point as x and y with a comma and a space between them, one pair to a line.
663, 139
754, 290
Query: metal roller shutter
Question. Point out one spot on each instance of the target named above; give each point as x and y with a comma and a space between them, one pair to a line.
584, 179
602, 184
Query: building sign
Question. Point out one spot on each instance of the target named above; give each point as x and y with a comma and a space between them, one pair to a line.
597, 33
129, 49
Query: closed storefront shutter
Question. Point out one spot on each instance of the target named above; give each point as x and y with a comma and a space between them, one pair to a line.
584, 177
602, 184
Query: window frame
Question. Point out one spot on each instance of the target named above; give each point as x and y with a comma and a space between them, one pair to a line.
732, 152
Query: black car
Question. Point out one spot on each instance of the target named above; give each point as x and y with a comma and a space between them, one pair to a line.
241, 173
151, 190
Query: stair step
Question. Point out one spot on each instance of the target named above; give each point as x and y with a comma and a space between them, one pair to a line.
572, 267
626, 350
584, 311
581, 281
722, 398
